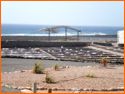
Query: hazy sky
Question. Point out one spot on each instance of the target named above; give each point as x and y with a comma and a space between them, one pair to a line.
63, 13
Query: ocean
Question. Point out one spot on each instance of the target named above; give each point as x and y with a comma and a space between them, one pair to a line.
34, 30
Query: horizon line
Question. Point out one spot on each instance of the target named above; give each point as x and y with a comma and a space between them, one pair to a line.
59, 25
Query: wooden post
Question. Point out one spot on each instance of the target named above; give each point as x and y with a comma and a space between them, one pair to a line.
49, 90
34, 87
92, 43
66, 33
77, 35
49, 35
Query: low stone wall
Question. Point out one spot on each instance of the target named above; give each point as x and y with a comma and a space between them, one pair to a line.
103, 44
25, 44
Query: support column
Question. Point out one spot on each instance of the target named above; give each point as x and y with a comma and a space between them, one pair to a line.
66, 33
77, 35
49, 35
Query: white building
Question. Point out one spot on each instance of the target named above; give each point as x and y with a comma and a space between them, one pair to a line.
120, 37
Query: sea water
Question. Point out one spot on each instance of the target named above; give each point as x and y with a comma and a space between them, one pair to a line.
36, 30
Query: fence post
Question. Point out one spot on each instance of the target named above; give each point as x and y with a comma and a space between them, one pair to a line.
34, 87
49, 90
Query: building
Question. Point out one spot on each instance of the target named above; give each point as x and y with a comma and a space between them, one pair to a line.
120, 38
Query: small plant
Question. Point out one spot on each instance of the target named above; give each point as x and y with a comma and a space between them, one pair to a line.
90, 76
49, 79
38, 68
104, 61
56, 67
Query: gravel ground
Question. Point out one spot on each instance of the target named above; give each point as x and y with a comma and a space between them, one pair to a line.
13, 64
73, 77
68, 78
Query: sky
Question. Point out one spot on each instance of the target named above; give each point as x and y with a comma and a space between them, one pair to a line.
77, 13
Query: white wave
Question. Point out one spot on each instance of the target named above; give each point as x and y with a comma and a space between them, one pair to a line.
53, 34
24, 34
93, 34
56, 34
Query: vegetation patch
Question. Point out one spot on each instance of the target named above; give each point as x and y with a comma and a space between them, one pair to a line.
56, 67
38, 68
49, 79
104, 61
91, 75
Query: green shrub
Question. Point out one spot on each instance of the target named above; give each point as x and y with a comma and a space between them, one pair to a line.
56, 67
49, 79
90, 76
38, 68
104, 61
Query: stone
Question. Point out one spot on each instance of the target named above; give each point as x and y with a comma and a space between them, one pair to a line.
104, 89
85, 89
20, 87
120, 88
8, 86
76, 92
26, 91
22, 71
29, 88
14, 87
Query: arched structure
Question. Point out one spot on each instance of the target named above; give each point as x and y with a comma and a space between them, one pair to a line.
54, 30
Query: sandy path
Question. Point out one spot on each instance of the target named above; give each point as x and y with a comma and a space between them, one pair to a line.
108, 51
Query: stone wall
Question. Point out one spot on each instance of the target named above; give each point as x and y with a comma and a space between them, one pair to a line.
25, 44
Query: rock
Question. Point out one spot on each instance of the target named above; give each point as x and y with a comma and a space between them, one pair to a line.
29, 88
8, 86
93, 89
26, 91
88, 89
85, 89
55, 89
41, 88
22, 71
76, 92
14, 87
110, 89
120, 88
20, 87
114, 89
104, 89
